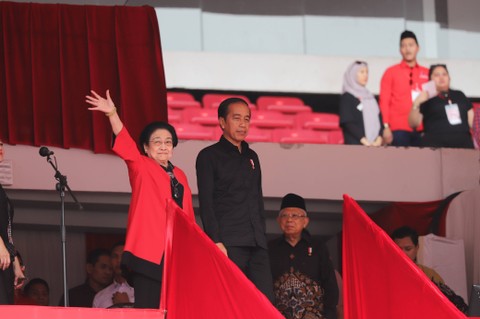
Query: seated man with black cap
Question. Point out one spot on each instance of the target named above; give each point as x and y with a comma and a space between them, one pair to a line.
304, 280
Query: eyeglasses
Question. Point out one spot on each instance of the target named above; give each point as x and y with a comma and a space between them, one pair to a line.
157, 142
292, 216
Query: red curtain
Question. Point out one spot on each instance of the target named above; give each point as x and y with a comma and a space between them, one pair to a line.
380, 281
200, 282
424, 217
53, 54
418, 216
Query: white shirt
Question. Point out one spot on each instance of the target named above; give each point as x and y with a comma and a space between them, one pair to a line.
103, 298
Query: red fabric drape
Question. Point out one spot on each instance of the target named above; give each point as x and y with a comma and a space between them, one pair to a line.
419, 216
53, 54
200, 282
379, 280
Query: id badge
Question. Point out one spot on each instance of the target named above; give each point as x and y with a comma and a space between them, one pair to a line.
415, 94
453, 114
360, 107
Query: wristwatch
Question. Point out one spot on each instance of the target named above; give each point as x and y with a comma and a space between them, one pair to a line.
385, 125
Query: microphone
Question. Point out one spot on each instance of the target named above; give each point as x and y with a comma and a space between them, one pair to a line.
44, 151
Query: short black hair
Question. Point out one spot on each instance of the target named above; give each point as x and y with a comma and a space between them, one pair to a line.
35, 281
223, 107
433, 67
408, 34
152, 127
406, 231
95, 254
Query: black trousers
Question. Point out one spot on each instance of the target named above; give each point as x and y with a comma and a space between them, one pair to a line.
147, 291
6, 286
254, 262
405, 138
452, 140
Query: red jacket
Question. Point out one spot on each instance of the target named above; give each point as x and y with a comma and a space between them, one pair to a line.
147, 213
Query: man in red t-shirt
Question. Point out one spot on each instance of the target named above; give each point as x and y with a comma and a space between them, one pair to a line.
400, 85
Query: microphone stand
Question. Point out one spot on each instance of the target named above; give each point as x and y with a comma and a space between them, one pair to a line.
60, 187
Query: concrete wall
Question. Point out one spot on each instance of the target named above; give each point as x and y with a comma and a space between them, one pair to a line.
315, 171
291, 73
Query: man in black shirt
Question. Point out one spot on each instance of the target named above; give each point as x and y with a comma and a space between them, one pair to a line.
230, 195
99, 275
305, 285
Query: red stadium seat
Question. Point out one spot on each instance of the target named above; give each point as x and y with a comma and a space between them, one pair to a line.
295, 136
256, 134
187, 131
181, 100
202, 116
318, 121
271, 119
212, 100
335, 137
175, 116
284, 104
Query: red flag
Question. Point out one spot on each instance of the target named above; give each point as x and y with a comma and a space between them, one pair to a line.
379, 280
201, 282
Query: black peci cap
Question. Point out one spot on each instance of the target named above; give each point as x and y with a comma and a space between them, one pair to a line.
293, 200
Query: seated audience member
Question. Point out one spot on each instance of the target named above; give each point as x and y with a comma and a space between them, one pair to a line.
407, 239
119, 293
305, 284
360, 116
447, 117
38, 290
99, 276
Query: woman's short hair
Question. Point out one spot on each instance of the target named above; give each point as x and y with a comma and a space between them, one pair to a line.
152, 127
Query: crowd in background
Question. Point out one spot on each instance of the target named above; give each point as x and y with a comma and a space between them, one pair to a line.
416, 105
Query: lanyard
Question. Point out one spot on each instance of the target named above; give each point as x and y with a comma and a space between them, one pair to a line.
445, 96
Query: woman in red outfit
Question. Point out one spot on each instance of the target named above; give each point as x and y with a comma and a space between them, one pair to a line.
155, 182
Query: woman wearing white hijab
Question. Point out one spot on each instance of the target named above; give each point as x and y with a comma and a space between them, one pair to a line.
360, 116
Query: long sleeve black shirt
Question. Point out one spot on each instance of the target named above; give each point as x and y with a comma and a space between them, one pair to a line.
351, 119
230, 194
298, 273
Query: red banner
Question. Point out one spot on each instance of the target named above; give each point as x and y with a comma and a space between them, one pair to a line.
200, 282
380, 281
